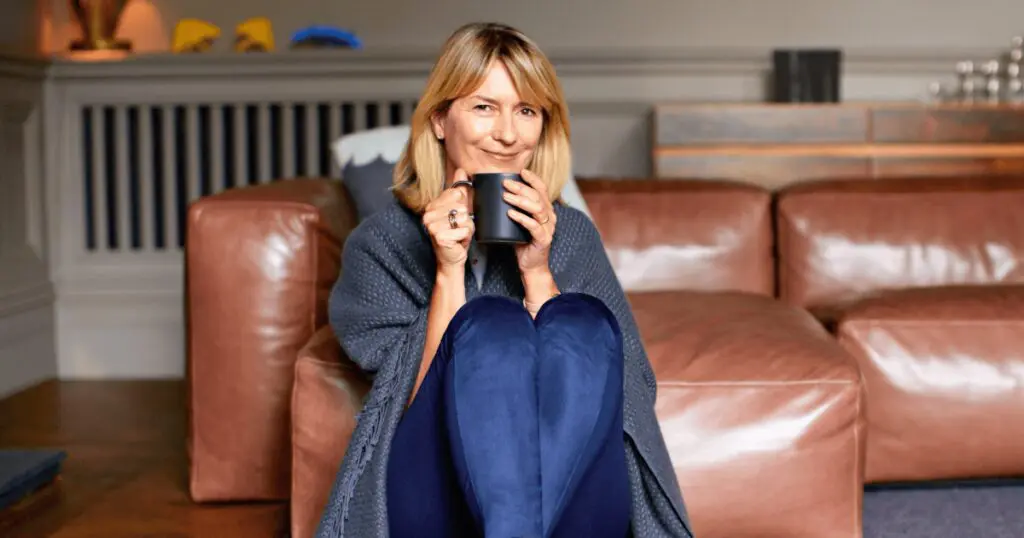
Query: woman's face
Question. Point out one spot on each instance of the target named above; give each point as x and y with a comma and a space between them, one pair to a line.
491, 129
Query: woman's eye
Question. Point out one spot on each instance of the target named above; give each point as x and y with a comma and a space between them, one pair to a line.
529, 112
483, 107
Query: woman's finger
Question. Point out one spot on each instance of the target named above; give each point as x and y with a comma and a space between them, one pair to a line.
533, 202
528, 205
535, 182
460, 175
540, 235
452, 196
453, 235
440, 214
449, 198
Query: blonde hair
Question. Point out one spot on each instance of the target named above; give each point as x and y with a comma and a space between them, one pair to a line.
419, 175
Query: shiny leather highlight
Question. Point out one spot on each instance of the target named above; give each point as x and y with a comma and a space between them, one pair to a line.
260, 263
695, 235
944, 370
761, 411
845, 240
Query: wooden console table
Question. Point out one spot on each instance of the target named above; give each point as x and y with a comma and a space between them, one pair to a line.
774, 145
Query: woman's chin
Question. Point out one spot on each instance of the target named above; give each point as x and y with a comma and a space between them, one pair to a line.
490, 164
498, 169
500, 165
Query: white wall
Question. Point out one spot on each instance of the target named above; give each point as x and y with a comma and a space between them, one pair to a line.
27, 352
865, 24
20, 24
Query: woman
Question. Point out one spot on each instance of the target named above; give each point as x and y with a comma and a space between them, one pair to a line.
511, 394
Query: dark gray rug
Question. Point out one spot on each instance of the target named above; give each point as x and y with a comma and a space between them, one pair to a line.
24, 471
992, 510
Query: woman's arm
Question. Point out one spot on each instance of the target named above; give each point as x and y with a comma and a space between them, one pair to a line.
377, 302
448, 297
539, 287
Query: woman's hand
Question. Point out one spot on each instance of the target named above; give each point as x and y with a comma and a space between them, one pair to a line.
450, 227
537, 215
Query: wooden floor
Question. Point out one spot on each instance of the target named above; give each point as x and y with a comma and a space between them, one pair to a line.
125, 475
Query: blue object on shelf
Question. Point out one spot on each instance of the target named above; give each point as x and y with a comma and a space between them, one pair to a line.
24, 471
325, 37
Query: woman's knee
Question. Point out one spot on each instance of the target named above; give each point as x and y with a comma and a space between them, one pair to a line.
491, 319
586, 307
583, 314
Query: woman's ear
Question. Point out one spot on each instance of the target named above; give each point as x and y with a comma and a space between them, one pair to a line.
437, 125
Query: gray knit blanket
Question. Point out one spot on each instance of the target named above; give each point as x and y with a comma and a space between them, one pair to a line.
378, 310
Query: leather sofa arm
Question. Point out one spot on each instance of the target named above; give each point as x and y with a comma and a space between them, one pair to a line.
260, 263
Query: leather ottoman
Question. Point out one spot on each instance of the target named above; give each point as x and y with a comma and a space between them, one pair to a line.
761, 411
944, 368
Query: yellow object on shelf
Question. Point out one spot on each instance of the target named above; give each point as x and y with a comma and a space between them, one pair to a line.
194, 35
255, 35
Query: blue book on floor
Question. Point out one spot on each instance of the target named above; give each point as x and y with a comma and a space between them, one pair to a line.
24, 471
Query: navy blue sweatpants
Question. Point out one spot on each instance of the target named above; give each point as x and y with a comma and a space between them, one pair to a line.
516, 430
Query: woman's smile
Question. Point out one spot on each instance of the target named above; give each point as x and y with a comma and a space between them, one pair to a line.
501, 156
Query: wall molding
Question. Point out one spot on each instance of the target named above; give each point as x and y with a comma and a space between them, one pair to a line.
385, 62
24, 67
26, 297
16, 111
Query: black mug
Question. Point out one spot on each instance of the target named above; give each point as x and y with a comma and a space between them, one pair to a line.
490, 210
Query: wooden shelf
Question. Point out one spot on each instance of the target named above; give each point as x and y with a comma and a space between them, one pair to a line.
775, 145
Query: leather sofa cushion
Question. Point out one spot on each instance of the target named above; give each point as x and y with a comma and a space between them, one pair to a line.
944, 369
329, 392
843, 240
761, 412
684, 235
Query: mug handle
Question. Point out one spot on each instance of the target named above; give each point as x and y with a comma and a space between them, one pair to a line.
464, 183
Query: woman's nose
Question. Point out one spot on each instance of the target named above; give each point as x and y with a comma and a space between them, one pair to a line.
505, 129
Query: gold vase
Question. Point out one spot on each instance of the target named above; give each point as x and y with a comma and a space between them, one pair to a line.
98, 20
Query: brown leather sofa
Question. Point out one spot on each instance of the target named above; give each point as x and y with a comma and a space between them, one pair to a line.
919, 279
760, 406
923, 279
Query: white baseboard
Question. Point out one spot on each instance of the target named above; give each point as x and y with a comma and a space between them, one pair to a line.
121, 336
27, 354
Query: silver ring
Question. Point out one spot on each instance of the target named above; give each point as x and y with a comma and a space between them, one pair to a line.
452, 216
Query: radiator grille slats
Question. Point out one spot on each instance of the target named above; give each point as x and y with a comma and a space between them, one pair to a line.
143, 164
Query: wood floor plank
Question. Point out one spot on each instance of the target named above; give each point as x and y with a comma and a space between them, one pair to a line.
125, 475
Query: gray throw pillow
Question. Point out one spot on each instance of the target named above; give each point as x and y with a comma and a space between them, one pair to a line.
366, 159
369, 185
